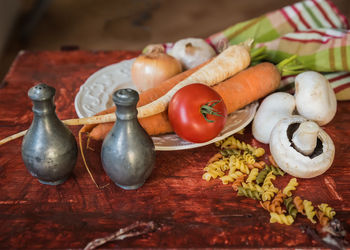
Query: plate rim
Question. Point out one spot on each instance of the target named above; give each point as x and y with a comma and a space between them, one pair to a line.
90, 78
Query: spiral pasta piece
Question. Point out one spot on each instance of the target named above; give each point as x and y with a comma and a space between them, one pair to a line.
248, 157
288, 202
252, 175
322, 218
249, 193
215, 172
214, 158
206, 176
226, 179
259, 152
278, 198
253, 187
232, 163
227, 152
231, 177
269, 193
298, 202
327, 210
259, 165
267, 205
275, 170
232, 142
222, 164
268, 180
261, 176
290, 187
309, 210
218, 165
239, 164
238, 182
281, 219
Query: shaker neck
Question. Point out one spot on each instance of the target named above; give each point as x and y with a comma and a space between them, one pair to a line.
126, 112
43, 107
126, 101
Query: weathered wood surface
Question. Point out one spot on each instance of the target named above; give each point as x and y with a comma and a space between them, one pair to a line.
189, 212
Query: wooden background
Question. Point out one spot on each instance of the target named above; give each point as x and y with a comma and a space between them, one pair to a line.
188, 211
127, 24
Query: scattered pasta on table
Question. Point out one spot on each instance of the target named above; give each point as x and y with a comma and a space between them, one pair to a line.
240, 164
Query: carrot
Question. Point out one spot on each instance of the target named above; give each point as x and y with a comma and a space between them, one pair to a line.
249, 85
229, 62
154, 125
238, 91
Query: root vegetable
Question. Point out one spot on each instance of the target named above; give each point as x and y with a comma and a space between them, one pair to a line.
238, 91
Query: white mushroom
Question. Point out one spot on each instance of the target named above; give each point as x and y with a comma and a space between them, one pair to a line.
291, 158
272, 109
315, 99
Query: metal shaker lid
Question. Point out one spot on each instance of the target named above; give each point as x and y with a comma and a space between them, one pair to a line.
41, 92
125, 97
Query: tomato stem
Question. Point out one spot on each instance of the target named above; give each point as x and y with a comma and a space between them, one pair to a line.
208, 109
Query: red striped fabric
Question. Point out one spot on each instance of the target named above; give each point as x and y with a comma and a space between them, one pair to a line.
337, 78
306, 40
320, 33
307, 25
290, 21
341, 87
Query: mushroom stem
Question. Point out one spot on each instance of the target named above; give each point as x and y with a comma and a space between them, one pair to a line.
305, 137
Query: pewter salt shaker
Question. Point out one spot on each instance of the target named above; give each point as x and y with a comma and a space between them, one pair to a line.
128, 153
49, 149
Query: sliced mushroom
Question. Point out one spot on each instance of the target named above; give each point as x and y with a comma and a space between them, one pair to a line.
292, 158
272, 109
315, 99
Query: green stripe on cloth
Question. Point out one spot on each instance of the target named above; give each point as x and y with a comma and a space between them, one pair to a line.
260, 28
313, 16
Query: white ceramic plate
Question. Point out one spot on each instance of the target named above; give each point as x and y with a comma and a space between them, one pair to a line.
95, 95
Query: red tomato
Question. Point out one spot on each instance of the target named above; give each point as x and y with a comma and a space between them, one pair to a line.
185, 114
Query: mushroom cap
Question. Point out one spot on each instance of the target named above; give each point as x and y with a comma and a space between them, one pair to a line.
272, 109
315, 99
294, 162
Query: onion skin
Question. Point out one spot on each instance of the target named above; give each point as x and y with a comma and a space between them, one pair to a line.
150, 69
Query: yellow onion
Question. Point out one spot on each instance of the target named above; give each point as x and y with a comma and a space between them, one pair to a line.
152, 68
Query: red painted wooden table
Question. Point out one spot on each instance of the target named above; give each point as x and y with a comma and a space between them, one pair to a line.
188, 212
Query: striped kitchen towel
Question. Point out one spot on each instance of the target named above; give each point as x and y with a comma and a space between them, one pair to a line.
314, 30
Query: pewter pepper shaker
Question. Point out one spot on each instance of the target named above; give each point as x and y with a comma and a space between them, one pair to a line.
49, 149
128, 153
